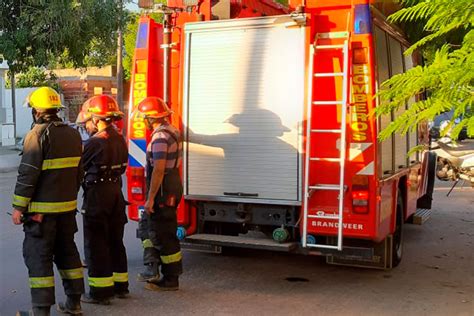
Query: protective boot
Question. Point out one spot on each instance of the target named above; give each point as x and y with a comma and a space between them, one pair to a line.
37, 311
167, 283
88, 299
122, 294
150, 273
72, 305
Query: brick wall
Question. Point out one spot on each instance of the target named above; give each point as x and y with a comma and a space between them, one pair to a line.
77, 90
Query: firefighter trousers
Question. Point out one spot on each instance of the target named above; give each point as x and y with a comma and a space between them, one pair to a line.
162, 232
150, 253
106, 258
50, 241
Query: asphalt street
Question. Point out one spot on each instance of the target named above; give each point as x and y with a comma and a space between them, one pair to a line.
436, 275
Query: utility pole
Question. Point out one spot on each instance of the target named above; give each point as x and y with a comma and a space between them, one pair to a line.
119, 57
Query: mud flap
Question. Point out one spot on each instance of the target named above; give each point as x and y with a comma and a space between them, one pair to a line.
381, 259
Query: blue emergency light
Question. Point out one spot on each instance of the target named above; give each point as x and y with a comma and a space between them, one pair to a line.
362, 19
142, 35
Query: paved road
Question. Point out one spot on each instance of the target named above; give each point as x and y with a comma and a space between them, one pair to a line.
435, 277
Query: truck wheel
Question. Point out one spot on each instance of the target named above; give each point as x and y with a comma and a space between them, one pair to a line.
425, 200
397, 242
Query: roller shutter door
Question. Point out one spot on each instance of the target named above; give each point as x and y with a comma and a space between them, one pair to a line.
243, 99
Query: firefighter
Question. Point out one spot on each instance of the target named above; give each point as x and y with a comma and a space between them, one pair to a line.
105, 160
163, 158
45, 201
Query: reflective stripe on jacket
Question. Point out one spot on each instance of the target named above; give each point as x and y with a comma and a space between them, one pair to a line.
50, 171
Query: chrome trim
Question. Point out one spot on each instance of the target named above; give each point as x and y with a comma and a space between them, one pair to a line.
240, 200
186, 73
286, 20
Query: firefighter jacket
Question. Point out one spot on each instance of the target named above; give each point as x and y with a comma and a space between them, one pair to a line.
50, 171
105, 156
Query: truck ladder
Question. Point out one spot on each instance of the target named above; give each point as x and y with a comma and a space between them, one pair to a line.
310, 132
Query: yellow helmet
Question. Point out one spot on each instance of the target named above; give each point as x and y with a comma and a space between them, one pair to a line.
44, 98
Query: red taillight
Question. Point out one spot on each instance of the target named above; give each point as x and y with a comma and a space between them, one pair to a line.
360, 194
137, 184
360, 55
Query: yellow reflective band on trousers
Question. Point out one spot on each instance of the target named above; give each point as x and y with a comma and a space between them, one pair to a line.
52, 207
171, 258
147, 243
20, 200
120, 276
71, 274
60, 163
101, 282
41, 282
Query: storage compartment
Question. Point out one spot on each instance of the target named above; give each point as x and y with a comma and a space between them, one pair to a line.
243, 109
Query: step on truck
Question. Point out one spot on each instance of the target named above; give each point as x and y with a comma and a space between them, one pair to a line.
276, 104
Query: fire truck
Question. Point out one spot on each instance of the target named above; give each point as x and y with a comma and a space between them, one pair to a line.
276, 104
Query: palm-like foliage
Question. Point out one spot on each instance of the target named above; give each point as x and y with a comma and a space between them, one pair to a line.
446, 79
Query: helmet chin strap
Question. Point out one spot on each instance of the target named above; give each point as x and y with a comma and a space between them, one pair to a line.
96, 129
33, 115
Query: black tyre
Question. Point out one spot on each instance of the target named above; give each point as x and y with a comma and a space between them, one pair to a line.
397, 242
425, 200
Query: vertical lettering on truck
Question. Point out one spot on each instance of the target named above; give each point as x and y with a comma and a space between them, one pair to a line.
139, 93
360, 115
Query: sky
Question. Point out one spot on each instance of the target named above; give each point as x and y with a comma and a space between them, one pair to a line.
132, 6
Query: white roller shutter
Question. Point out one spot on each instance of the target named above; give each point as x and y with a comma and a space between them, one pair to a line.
244, 97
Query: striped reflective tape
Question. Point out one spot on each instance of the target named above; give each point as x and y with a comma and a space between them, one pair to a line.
41, 282
71, 274
147, 243
60, 163
52, 207
171, 258
368, 170
120, 276
137, 152
19, 200
101, 282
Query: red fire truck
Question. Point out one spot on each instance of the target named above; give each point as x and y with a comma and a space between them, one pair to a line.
276, 105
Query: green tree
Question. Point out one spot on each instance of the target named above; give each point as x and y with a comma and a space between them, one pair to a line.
447, 42
38, 33
35, 77
129, 39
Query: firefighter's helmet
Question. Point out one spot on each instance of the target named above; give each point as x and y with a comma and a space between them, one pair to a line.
153, 107
103, 107
44, 98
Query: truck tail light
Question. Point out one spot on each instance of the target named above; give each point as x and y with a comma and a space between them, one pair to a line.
137, 183
360, 55
360, 194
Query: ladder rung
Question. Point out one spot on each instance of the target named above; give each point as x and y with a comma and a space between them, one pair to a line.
331, 187
338, 46
327, 102
329, 74
325, 159
324, 216
333, 35
322, 246
334, 131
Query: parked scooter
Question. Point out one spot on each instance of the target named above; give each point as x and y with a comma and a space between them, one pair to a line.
455, 162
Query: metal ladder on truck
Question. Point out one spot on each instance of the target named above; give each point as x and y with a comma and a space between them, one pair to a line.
311, 138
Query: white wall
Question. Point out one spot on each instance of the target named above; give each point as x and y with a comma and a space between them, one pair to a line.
23, 114
5, 114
